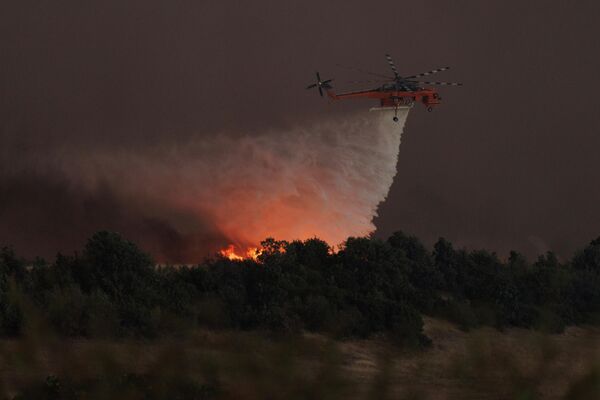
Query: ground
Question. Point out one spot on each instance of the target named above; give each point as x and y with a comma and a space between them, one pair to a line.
481, 364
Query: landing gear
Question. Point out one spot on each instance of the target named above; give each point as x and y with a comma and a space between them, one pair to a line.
430, 109
395, 119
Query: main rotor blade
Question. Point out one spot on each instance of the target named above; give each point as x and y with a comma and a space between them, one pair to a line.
434, 71
392, 65
320, 91
311, 86
364, 71
441, 83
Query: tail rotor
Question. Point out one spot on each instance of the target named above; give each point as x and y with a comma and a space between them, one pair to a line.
320, 84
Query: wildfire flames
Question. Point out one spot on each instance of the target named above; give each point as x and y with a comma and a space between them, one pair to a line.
230, 253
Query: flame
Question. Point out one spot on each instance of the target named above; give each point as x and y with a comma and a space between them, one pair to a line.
250, 253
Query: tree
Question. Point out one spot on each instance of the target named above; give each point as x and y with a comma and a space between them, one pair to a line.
126, 274
446, 261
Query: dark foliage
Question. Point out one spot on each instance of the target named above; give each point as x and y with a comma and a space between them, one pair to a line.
128, 386
368, 287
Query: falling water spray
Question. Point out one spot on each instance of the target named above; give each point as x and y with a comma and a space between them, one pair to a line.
324, 179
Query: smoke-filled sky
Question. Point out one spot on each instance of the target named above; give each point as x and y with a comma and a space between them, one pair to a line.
509, 161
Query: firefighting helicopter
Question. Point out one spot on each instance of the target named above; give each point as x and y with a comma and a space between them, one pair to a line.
395, 91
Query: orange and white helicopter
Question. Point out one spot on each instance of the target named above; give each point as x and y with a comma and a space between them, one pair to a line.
395, 92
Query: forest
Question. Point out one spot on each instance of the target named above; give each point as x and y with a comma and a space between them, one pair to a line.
368, 287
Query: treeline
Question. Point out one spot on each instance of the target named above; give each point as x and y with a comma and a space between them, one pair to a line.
368, 287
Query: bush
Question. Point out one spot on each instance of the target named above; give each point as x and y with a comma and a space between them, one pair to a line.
11, 320
67, 311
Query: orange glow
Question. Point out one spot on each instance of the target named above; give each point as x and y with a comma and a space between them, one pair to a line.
324, 181
250, 253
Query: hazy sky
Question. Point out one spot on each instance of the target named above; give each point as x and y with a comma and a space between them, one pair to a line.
510, 160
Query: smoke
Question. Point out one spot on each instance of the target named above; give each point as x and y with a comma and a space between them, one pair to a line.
183, 200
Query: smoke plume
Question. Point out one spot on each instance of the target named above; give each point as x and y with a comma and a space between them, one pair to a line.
183, 200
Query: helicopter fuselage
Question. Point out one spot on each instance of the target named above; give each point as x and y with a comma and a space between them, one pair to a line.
390, 96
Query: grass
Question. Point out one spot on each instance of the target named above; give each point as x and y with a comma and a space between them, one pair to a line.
481, 364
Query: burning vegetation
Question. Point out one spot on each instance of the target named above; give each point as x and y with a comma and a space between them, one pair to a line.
232, 253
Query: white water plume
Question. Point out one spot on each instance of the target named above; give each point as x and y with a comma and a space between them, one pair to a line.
325, 179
